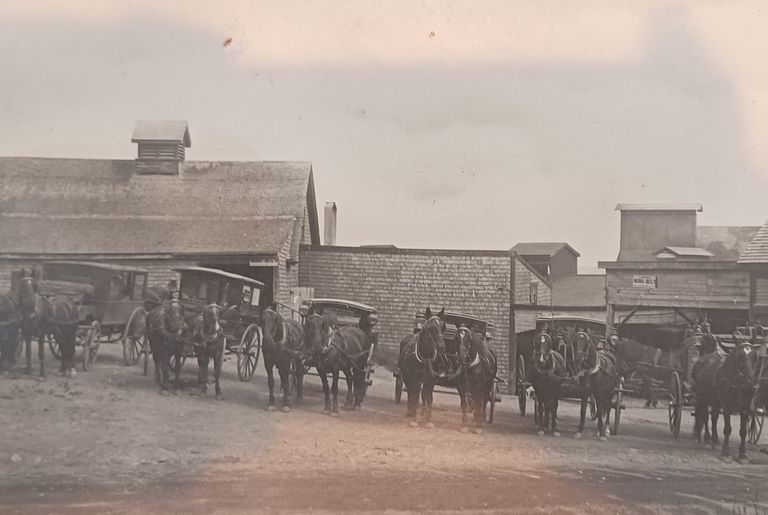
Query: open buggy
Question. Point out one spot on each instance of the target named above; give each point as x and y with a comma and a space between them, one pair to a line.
240, 297
453, 321
105, 296
346, 313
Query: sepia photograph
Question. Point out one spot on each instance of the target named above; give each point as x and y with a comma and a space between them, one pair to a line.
335, 256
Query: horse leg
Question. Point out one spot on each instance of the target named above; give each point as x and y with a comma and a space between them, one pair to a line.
699, 422
726, 453
463, 401
743, 434
178, 351
413, 390
218, 360
165, 369
323, 373
600, 418
299, 368
714, 415
202, 373
426, 395
582, 414
28, 349
335, 391
41, 353
284, 369
555, 402
269, 365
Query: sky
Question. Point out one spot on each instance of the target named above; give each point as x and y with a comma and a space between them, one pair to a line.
469, 125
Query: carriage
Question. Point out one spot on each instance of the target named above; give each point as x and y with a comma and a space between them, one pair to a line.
453, 321
240, 297
563, 330
105, 296
347, 313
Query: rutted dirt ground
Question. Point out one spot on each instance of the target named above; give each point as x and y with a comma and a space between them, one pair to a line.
106, 442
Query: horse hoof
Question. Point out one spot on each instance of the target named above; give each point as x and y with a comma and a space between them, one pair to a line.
271, 407
41, 379
72, 373
219, 397
607, 431
285, 409
741, 460
478, 430
203, 394
413, 423
334, 414
164, 393
429, 425
464, 429
577, 436
603, 438
540, 432
726, 459
175, 392
556, 434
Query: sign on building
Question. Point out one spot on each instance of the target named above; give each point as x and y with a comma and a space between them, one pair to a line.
645, 281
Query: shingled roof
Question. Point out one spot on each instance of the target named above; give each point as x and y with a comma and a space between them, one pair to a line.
104, 206
542, 248
757, 250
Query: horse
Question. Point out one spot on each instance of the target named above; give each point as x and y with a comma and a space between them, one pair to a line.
703, 375
282, 349
639, 350
9, 331
597, 377
41, 316
165, 327
736, 385
479, 363
548, 371
208, 338
417, 354
347, 350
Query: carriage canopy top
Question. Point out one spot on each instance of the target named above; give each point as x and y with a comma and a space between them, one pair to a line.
101, 266
213, 272
346, 304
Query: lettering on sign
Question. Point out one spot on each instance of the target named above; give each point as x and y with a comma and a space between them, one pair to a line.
645, 281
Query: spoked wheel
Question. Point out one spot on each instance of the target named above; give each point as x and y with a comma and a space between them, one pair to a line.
494, 397
521, 393
755, 425
675, 404
617, 407
398, 388
248, 354
132, 336
91, 345
53, 345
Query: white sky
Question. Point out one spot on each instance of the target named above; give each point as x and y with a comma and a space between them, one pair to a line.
514, 121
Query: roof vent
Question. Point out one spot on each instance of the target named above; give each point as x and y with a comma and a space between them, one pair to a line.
161, 145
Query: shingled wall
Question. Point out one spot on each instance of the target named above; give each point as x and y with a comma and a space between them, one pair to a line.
400, 282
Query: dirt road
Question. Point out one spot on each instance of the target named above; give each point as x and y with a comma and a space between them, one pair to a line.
106, 442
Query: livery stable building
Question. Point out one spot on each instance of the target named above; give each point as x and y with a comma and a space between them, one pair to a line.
160, 211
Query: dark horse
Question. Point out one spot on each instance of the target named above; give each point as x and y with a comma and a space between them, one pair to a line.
707, 402
547, 374
417, 353
10, 319
597, 377
208, 337
41, 316
165, 326
734, 385
282, 349
479, 363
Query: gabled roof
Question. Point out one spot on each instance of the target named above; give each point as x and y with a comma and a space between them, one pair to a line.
162, 130
579, 291
684, 252
659, 207
103, 206
757, 250
542, 248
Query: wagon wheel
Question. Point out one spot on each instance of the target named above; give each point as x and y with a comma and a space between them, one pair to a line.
675, 404
617, 407
248, 353
521, 393
145, 351
592, 408
755, 426
493, 397
91, 345
53, 345
132, 335
398, 389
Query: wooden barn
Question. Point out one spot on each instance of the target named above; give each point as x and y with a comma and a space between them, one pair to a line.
160, 211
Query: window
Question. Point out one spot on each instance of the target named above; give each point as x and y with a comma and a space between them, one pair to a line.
533, 293
138, 286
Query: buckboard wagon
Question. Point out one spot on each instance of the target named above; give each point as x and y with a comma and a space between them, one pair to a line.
240, 298
105, 296
453, 321
563, 330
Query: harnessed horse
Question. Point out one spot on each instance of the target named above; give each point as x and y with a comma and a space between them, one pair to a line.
736, 386
282, 348
41, 316
208, 339
10, 320
165, 325
547, 374
479, 364
417, 354
597, 377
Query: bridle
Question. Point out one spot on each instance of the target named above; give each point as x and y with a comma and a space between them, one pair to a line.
432, 340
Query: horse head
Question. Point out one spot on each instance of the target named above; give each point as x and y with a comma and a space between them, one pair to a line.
271, 326
317, 332
744, 361
586, 353
431, 334
27, 292
174, 317
211, 315
542, 351
464, 339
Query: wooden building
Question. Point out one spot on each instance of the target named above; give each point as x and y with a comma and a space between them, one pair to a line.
755, 261
160, 211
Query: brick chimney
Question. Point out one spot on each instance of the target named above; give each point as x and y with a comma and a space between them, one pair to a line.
329, 222
161, 146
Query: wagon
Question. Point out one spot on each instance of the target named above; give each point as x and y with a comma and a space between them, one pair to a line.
564, 329
453, 321
347, 313
106, 296
240, 298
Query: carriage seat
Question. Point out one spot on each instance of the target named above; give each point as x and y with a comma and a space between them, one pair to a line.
78, 292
